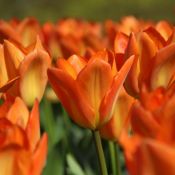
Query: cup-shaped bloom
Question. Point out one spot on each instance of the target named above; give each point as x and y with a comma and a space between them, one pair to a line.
21, 149
153, 115
154, 63
29, 66
88, 92
22, 32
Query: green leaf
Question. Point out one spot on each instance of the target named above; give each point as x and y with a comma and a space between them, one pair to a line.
55, 164
73, 166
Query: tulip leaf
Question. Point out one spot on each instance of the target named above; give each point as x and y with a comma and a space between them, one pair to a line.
55, 163
73, 166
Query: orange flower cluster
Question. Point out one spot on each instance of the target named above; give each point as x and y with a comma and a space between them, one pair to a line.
21, 149
90, 64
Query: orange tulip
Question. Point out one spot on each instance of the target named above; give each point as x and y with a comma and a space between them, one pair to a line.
28, 66
21, 149
149, 156
88, 92
154, 65
153, 116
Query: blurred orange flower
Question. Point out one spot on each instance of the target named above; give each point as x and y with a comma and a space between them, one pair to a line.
26, 69
21, 149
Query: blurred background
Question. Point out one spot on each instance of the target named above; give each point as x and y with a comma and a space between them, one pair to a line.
88, 9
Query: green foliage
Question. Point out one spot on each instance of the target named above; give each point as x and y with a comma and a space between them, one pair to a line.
95, 10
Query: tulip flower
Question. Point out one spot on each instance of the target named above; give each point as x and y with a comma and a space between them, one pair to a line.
89, 94
153, 157
21, 149
22, 32
154, 63
153, 115
28, 66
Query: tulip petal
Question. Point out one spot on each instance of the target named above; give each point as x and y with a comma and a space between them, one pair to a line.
110, 98
13, 57
156, 37
119, 121
120, 43
148, 51
3, 70
12, 135
164, 67
8, 85
165, 29
67, 67
18, 113
33, 126
131, 83
71, 97
39, 157
156, 158
94, 81
28, 29
33, 76
77, 62
6, 162
143, 122
7, 32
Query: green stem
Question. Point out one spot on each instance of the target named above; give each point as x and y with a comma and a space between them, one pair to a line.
67, 129
117, 155
100, 153
112, 151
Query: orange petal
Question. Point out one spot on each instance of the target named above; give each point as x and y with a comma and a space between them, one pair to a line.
3, 70
39, 157
28, 29
18, 113
120, 43
108, 103
71, 97
165, 29
13, 57
4, 108
12, 135
95, 80
67, 67
156, 158
164, 67
143, 122
7, 32
77, 62
156, 37
33, 126
119, 121
131, 83
147, 53
33, 76
8, 85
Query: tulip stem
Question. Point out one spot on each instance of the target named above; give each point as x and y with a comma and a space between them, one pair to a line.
113, 156
117, 155
100, 153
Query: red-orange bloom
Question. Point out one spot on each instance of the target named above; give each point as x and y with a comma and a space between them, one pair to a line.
153, 116
150, 157
154, 63
21, 149
88, 91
